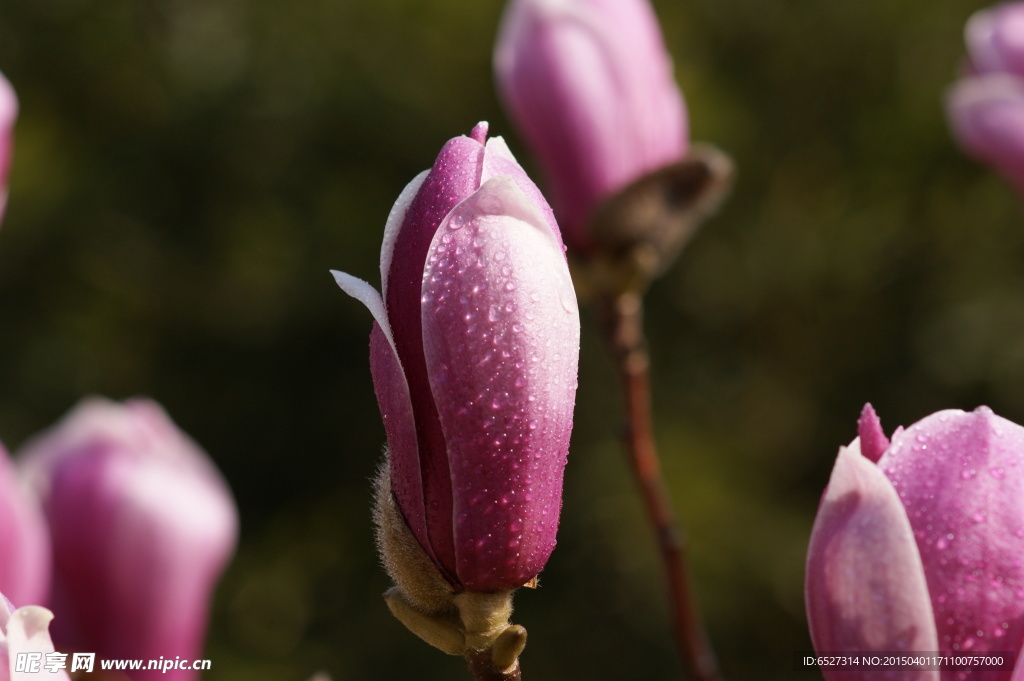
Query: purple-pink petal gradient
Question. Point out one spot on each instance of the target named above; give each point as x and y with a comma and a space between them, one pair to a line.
995, 39
142, 524
474, 354
985, 108
958, 479
865, 587
986, 116
8, 114
24, 541
25, 630
589, 83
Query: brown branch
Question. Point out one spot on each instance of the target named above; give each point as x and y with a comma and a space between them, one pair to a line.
622, 324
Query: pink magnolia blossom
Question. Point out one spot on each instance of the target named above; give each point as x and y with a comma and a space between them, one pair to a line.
918, 544
8, 114
986, 107
26, 630
143, 524
590, 85
474, 353
24, 540
995, 39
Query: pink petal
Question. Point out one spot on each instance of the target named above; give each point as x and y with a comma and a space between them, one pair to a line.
591, 87
872, 439
142, 526
395, 405
396, 218
986, 115
995, 39
498, 160
25, 558
865, 587
28, 632
1018, 669
454, 176
961, 479
8, 114
501, 337
403, 453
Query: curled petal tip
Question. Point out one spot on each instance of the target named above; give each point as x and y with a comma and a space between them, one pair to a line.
873, 442
479, 132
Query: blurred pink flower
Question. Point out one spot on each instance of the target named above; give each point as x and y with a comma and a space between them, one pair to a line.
995, 39
918, 543
26, 630
590, 85
142, 523
8, 114
474, 355
986, 107
24, 540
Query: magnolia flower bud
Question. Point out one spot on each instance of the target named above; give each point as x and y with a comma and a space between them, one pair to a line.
24, 541
986, 107
590, 85
8, 114
995, 39
142, 525
25, 630
474, 355
986, 115
917, 543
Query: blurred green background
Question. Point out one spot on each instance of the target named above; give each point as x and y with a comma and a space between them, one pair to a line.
187, 171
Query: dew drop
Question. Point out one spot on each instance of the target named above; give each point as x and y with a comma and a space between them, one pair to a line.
567, 301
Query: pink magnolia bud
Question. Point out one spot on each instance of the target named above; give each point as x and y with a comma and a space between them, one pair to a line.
8, 114
142, 525
922, 550
24, 541
590, 85
474, 355
995, 39
26, 630
986, 115
986, 107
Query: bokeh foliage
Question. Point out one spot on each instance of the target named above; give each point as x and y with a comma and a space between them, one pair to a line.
187, 171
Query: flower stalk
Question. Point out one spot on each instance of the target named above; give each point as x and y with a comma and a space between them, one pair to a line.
622, 327
638, 233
